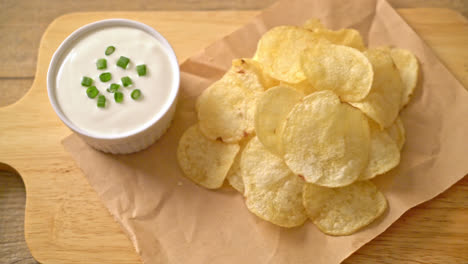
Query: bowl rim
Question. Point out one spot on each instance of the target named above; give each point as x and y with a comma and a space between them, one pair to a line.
62, 50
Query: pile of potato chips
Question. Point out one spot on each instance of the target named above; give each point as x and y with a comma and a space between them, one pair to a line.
302, 127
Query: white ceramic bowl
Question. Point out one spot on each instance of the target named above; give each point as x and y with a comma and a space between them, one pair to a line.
126, 142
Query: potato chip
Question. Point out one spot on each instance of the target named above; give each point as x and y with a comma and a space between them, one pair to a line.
223, 112
304, 87
344, 70
313, 24
301, 127
272, 191
326, 141
234, 175
204, 161
384, 153
408, 66
397, 132
250, 74
345, 210
382, 104
226, 109
346, 37
279, 51
272, 108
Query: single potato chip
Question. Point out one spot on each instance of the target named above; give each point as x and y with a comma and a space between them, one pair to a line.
382, 104
223, 112
279, 51
272, 108
408, 66
343, 211
313, 24
205, 161
326, 141
384, 153
234, 175
272, 191
346, 36
344, 70
226, 109
304, 87
397, 132
250, 74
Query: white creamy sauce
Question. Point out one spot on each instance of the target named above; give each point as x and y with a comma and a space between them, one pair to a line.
115, 118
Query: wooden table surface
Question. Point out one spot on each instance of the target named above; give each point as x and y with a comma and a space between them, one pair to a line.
23, 22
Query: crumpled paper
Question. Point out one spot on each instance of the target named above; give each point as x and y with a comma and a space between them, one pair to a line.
171, 220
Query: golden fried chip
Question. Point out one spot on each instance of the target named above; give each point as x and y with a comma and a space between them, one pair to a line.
250, 74
304, 87
397, 132
382, 104
408, 67
205, 161
345, 210
279, 51
234, 175
384, 153
326, 141
346, 37
313, 24
344, 70
223, 112
226, 109
272, 191
272, 108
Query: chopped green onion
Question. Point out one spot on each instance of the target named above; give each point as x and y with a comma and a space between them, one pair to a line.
123, 62
92, 92
126, 81
118, 96
135, 94
141, 69
105, 77
101, 64
86, 81
101, 101
113, 88
110, 50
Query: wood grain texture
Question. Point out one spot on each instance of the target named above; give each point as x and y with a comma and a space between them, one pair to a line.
12, 244
446, 32
66, 223
22, 22
13, 88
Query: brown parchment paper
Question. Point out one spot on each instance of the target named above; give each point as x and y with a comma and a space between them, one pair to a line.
172, 220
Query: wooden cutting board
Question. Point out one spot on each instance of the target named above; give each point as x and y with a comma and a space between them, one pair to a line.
65, 221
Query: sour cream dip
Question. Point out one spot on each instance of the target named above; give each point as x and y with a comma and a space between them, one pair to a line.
117, 120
